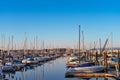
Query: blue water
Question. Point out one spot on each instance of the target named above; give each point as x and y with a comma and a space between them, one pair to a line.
52, 70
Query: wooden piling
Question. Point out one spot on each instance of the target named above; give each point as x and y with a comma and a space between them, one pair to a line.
105, 61
118, 62
105, 78
96, 58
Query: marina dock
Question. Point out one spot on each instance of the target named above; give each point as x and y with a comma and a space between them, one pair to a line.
110, 74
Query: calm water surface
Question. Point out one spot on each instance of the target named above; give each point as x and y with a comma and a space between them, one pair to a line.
52, 70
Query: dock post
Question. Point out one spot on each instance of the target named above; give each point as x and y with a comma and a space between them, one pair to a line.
117, 71
90, 55
85, 56
105, 78
105, 61
96, 58
118, 62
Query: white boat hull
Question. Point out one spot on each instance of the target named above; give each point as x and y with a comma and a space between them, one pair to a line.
90, 69
7, 68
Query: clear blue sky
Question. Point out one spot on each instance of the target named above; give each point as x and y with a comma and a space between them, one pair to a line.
57, 21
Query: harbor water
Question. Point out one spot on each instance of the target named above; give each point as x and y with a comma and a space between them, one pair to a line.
51, 70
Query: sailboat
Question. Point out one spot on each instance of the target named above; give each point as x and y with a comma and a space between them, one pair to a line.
75, 61
86, 67
8, 66
26, 58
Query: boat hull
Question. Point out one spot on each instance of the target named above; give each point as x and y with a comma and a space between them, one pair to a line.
90, 69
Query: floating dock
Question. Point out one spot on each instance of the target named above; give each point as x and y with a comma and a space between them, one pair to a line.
91, 75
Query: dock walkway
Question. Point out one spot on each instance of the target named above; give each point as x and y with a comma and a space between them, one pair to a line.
110, 74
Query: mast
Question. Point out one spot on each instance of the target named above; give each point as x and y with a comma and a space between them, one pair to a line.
12, 42
43, 48
25, 39
100, 46
90, 52
1, 45
34, 46
36, 42
9, 48
79, 43
83, 39
12, 45
2, 41
112, 43
83, 46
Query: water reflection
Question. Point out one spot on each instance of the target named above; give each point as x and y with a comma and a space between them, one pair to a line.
52, 70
